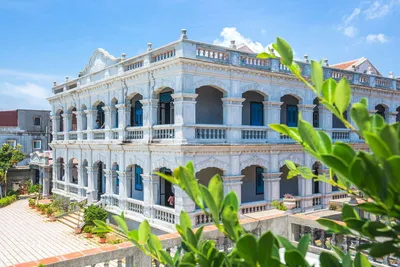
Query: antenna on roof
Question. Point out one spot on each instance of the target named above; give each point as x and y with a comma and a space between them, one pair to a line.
183, 34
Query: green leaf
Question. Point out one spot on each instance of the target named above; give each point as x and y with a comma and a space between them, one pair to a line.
216, 189
264, 55
377, 123
191, 238
199, 232
144, 232
166, 258
231, 222
342, 95
290, 165
348, 212
378, 229
302, 247
372, 208
294, 258
231, 200
210, 203
265, 247
306, 172
317, 76
328, 90
121, 223
333, 226
167, 177
344, 152
284, 50
184, 220
389, 136
378, 147
309, 135
134, 235
154, 245
325, 142
346, 261
280, 128
360, 115
328, 260
335, 163
188, 259
355, 224
357, 172
339, 252
246, 247
285, 243
361, 261
190, 185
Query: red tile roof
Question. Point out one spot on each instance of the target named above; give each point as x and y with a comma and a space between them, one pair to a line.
345, 65
9, 118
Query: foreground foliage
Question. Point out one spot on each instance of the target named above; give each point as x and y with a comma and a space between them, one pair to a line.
5, 201
376, 175
9, 156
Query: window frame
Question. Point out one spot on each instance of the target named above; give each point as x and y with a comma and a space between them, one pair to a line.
259, 172
11, 140
34, 121
253, 103
33, 144
138, 178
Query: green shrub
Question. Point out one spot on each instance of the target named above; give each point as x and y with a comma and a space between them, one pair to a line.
5, 201
333, 206
94, 213
88, 229
278, 205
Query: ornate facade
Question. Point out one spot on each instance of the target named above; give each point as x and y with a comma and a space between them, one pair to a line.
124, 119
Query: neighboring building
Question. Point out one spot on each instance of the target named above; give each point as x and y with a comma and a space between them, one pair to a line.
193, 101
29, 128
41, 164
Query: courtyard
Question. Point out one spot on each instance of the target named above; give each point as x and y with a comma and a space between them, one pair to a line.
27, 236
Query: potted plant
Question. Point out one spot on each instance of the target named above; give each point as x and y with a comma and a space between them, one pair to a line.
49, 211
31, 202
38, 206
289, 201
102, 238
88, 230
101, 230
43, 209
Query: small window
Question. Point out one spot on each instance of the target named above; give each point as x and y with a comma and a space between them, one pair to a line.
259, 181
12, 143
37, 144
138, 178
36, 121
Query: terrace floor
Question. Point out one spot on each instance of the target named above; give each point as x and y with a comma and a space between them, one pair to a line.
27, 236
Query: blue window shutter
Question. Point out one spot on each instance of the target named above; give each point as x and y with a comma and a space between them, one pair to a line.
138, 178
291, 114
256, 113
138, 114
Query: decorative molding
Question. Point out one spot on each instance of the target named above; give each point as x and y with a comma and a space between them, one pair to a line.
254, 160
212, 162
162, 162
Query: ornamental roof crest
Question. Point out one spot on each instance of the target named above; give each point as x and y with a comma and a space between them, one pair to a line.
100, 60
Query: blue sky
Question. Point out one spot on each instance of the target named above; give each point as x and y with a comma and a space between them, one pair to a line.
43, 41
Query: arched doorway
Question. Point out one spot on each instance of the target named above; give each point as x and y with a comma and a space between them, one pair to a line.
209, 107
381, 110
166, 107
316, 113
253, 184
253, 108
316, 185
166, 190
73, 169
101, 179
288, 186
136, 182
100, 117
136, 118
289, 110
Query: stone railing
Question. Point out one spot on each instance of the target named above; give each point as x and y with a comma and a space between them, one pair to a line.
99, 134
135, 205
201, 218
255, 133
59, 185
210, 132
221, 55
114, 200
115, 134
73, 189
164, 214
72, 136
253, 207
163, 131
339, 195
134, 133
340, 134
317, 201
60, 136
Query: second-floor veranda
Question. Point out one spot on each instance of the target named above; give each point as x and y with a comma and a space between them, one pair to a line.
206, 116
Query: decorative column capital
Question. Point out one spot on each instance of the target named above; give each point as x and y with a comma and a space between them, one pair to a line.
306, 107
66, 115
90, 111
231, 179
124, 175
149, 102
108, 109
272, 177
54, 117
91, 169
233, 100
184, 97
272, 104
121, 106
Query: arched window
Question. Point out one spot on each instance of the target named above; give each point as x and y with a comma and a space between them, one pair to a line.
381, 110
166, 108
336, 123
100, 119
138, 178
61, 125
73, 120
289, 110
253, 109
316, 113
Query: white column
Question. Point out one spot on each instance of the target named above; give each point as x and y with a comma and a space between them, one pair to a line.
183, 201
307, 112
80, 181
124, 112
109, 190
46, 182
109, 116
232, 108
79, 122
392, 117
305, 186
68, 174
272, 114
325, 118
272, 186
151, 194
92, 184
124, 182
185, 114
67, 122
55, 122
91, 122
149, 117
233, 183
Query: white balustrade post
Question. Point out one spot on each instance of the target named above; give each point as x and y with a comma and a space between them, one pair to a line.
184, 114
150, 107
272, 114
68, 175
272, 186
232, 108
233, 183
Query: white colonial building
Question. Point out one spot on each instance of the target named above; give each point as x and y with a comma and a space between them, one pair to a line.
125, 118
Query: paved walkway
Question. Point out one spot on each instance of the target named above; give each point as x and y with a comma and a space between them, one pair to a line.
27, 236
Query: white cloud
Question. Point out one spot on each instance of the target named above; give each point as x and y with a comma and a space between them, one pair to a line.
378, 9
230, 33
263, 31
350, 31
347, 28
377, 38
27, 95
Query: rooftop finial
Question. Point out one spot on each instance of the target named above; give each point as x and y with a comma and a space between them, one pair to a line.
54, 84
183, 34
123, 56
149, 47
66, 78
354, 67
326, 64
306, 58
233, 45
391, 74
